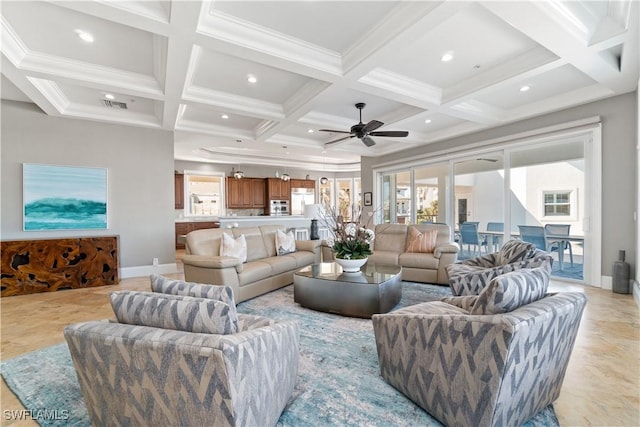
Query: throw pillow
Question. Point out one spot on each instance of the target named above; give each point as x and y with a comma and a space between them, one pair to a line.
285, 242
512, 290
165, 285
421, 242
236, 248
181, 313
515, 250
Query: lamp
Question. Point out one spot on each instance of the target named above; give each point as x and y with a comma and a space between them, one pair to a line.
313, 211
237, 174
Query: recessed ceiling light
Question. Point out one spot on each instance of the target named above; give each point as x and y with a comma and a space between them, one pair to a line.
85, 36
109, 96
310, 130
525, 88
224, 116
428, 121
447, 57
251, 78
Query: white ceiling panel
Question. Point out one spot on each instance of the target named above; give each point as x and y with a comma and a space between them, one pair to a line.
180, 65
83, 96
229, 74
558, 80
51, 30
477, 39
329, 24
210, 116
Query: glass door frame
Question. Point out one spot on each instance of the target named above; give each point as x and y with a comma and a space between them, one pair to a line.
589, 132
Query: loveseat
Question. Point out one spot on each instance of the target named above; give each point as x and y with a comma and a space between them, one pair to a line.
391, 244
263, 271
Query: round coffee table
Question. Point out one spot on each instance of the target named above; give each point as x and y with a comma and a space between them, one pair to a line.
325, 287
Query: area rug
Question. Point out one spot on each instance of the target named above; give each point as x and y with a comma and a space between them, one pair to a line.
339, 382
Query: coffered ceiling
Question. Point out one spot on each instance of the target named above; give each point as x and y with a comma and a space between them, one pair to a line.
184, 66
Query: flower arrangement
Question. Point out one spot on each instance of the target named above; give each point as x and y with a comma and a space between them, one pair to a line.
349, 239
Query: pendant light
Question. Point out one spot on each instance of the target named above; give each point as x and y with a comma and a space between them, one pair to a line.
237, 174
324, 179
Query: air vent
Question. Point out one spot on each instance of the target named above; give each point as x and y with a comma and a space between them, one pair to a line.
115, 104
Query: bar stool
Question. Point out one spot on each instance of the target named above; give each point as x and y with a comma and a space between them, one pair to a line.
301, 233
323, 233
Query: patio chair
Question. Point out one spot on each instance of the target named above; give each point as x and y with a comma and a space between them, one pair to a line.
533, 234
495, 226
469, 236
559, 245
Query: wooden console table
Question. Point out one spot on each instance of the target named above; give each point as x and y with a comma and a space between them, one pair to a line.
32, 266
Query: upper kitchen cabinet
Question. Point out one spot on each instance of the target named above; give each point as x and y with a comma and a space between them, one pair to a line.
278, 189
303, 183
245, 193
178, 188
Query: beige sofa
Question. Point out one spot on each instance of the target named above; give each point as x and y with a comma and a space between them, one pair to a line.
263, 272
389, 248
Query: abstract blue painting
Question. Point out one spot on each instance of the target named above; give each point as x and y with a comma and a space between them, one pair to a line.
64, 197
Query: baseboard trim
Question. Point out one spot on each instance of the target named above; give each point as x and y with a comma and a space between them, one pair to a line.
147, 270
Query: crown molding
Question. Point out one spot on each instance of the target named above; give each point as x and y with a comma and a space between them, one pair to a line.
403, 85
210, 129
234, 103
52, 93
227, 28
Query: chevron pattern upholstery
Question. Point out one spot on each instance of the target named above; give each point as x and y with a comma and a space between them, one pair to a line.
479, 370
139, 375
469, 277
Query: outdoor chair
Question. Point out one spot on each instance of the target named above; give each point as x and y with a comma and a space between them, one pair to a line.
533, 234
496, 226
469, 236
559, 245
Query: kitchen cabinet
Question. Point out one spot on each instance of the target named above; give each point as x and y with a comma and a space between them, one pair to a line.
303, 183
245, 193
278, 189
184, 228
178, 188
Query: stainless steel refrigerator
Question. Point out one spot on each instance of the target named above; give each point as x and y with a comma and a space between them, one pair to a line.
301, 197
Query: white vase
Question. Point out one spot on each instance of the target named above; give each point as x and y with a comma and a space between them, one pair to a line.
351, 265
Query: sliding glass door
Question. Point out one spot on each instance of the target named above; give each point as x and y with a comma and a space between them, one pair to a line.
548, 191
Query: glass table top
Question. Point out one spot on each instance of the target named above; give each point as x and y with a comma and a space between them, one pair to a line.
369, 273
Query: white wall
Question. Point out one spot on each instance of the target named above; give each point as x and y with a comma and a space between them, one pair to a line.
140, 177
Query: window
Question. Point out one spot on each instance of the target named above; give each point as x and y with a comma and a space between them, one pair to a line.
557, 203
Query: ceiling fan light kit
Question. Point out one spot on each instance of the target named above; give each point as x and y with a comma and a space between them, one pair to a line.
364, 132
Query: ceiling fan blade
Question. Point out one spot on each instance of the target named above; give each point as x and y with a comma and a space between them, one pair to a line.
334, 131
372, 125
368, 141
391, 133
326, 144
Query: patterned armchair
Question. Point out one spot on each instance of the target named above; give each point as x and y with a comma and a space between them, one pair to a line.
493, 368
149, 375
471, 276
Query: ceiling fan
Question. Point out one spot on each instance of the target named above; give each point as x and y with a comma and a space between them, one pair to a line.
364, 132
